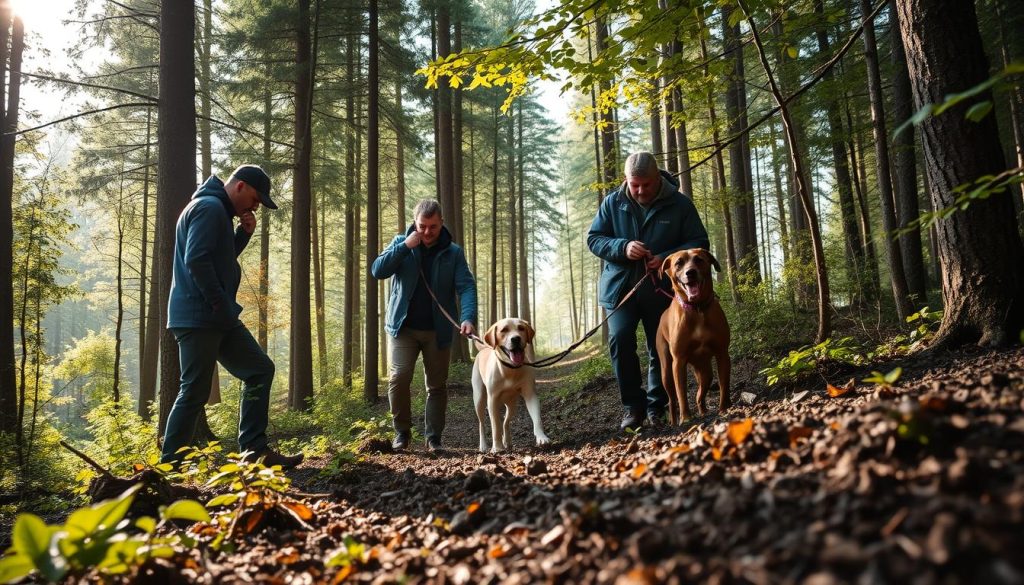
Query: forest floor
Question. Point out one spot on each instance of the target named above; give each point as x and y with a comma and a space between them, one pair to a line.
919, 483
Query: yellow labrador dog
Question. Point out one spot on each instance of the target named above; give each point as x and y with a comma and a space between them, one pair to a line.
495, 383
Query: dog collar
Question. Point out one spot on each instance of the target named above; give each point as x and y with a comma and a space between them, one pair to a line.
688, 306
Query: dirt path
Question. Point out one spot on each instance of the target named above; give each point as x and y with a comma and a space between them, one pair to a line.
923, 483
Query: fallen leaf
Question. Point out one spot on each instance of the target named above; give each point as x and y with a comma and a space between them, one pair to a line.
343, 573
472, 508
396, 541
797, 433
554, 535
497, 552
301, 510
288, 555
739, 430
837, 391
799, 396
639, 470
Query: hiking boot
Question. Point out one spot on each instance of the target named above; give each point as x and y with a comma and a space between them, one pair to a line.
433, 444
632, 420
656, 418
401, 442
272, 458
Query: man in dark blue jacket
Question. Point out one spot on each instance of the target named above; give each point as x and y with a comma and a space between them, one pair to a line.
202, 312
637, 226
413, 320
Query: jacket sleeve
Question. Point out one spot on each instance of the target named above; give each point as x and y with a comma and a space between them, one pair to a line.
242, 238
390, 259
200, 243
692, 232
602, 240
465, 285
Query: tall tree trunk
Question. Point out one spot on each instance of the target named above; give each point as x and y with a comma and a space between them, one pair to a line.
780, 203
8, 388
513, 237
524, 273
492, 305
980, 247
349, 332
904, 171
119, 280
610, 164
847, 208
824, 303
318, 294
892, 248
460, 349
1010, 50
370, 362
301, 342
443, 146
205, 47
263, 329
872, 282
176, 170
399, 160
146, 381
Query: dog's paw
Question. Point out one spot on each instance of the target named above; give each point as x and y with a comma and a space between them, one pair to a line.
543, 440
497, 449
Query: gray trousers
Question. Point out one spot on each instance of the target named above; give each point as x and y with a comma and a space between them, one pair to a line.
404, 350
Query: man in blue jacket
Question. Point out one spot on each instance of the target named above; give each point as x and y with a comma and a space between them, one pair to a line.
637, 226
202, 312
413, 320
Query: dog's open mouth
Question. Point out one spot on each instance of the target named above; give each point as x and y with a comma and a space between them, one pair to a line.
692, 289
516, 356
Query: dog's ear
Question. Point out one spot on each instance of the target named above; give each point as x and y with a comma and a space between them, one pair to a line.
714, 261
529, 332
491, 337
665, 266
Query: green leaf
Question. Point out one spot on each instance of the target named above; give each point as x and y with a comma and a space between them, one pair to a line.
186, 510
14, 567
792, 52
894, 375
224, 500
146, 524
31, 536
978, 111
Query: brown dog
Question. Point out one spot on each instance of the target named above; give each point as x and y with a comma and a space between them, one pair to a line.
693, 330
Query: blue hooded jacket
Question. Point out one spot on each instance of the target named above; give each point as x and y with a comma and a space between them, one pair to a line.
670, 224
449, 275
206, 272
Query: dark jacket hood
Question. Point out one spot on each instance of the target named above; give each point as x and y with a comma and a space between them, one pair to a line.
214, 187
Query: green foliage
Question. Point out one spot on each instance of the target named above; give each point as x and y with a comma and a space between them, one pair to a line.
89, 365
884, 380
349, 553
925, 323
763, 320
121, 438
96, 537
596, 364
807, 359
376, 427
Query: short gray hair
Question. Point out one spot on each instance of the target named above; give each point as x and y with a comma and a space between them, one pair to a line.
427, 208
641, 164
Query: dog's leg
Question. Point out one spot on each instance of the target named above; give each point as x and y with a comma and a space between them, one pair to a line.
497, 438
679, 380
533, 407
665, 357
511, 407
703, 376
724, 373
480, 400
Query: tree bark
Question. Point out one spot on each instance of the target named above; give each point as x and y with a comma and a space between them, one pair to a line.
370, 362
893, 254
349, 332
263, 329
301, 342
176, 172
524, 272
904, 170
979, 247
8, 387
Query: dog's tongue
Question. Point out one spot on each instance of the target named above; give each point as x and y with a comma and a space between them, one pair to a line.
517, 356
692, 290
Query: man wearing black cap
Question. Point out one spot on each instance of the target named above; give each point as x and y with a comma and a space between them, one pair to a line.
203, 315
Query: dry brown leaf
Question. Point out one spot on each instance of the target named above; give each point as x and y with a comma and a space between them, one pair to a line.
639, 470
288, 555
343, 573
797, 433
739, 430
472, 508
837, 391
252, 498
251, 520
396, 541
716, 452
497, 551
621, 465
301, 510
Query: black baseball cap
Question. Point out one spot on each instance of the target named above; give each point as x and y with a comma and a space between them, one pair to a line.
258, 179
